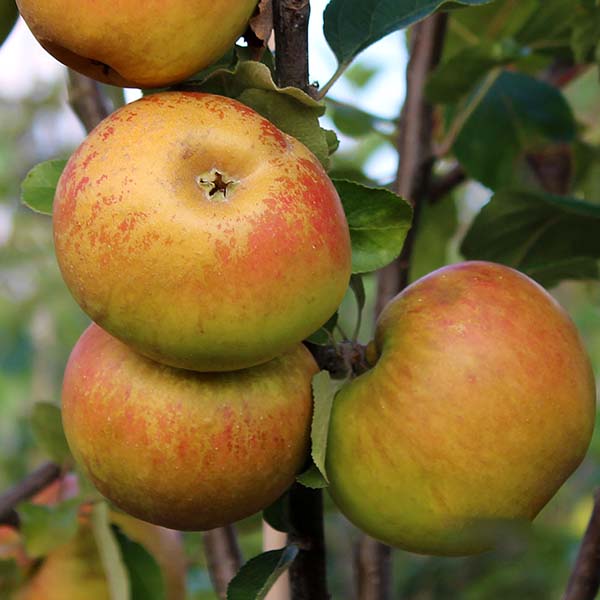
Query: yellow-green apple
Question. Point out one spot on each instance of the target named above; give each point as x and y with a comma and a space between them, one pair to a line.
479, 407
74, 571
131, 43
192, 229
182, 449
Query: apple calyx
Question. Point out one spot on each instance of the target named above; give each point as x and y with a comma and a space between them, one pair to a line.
216, 185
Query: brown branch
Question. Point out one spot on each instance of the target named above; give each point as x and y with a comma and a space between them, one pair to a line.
444, 184
25, 489
308, 579
87, 100
585, 578
223, 557
373, 568
415, 145
290, 24
308, 576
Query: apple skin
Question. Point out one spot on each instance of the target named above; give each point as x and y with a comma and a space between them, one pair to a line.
480, 406
195, 281
131, 43
181, 449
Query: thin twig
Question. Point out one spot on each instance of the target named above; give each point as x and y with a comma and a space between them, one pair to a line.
338, 73
223, 557
25, 489
585, 577
87, 100
463, 115
444, 184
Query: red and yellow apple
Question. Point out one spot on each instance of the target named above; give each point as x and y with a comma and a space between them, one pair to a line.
182, 449
479, 407
131, 43
195, 231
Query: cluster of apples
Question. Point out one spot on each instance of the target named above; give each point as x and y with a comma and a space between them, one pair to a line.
206, 245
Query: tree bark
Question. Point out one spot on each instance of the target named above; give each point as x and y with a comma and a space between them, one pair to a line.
223, 557
584, 582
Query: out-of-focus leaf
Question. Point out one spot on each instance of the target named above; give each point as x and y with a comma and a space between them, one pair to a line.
437, 225
257, 576
144, 573
8, 16
45, 528
110, 553
379, 221
47, 428
350, 26
39, 185
548, 237
518, 113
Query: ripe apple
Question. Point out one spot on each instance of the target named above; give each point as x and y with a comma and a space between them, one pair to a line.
181, 449
479, 407
133, 43
192, 229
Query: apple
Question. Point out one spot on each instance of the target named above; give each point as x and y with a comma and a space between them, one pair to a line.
181, 449
74, 571
192, 229
133, 43
479, 407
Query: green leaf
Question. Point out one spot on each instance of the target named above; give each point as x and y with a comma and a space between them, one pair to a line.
47, 527
323, 335
379, 221
110, 554
585, 37
351, 121
46, 424
324, 390
549, 237
312, 478
290, 109
257, 576
350, 26
437, 225
277, 515
459, 75
144, 573
286, 113
39, 185
517, 114
8, 17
